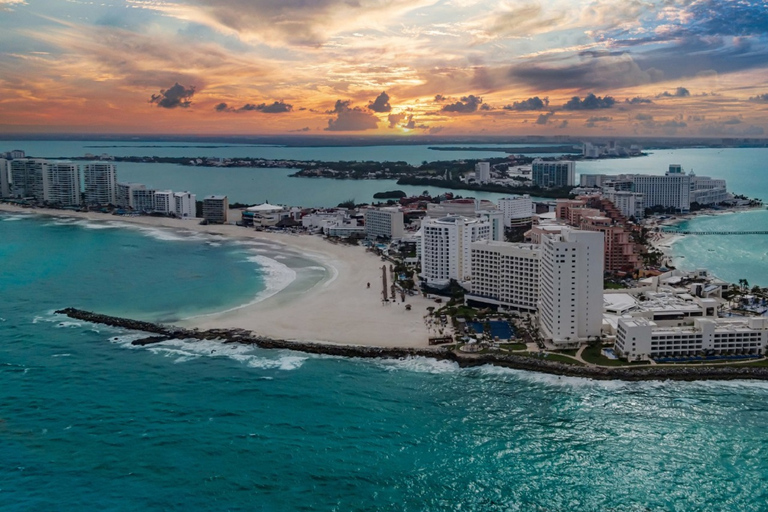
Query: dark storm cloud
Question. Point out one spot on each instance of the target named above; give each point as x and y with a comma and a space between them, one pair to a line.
350, 119
760, 98
590, 102
544, 118
637, 100
381, 103
439, 98
680, 92
534, 103
177, 96
278, 107
465, 105
592, 121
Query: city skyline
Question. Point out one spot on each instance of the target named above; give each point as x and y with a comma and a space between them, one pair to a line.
385, 67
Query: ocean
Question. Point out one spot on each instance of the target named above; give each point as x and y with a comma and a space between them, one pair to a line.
90, 422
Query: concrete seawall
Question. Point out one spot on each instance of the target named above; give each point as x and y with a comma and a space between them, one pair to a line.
163, 332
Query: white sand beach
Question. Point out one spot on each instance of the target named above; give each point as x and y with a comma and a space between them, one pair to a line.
339, 309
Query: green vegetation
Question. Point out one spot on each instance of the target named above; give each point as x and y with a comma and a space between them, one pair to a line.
553, 193
513, 346
390, 194
551, 357
610, 285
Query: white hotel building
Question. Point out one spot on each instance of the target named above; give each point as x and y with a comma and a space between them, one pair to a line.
100, 183
61, 183
184, 205
505, 275
5, 178
673, 190
571, 286
164, 201
446, 248
517, 210
384, 222
641, 338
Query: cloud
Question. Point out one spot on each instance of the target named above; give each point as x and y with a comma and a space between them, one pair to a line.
465, 105
534, 103
439, 98
644, 117
760, 98
278, 107
680, 92
351, 119
176, 96
637, 100
381, 103
592, 121
590, 102
563, 124
544, 118
305, 129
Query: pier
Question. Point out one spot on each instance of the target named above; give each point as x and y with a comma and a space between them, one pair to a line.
723, 233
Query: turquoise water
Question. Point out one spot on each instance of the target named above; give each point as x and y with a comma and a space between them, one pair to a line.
728, 257
89, 422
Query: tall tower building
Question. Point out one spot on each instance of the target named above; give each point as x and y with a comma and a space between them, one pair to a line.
27, 177
483, 172
61, 183
571, 287
5, 169
553, 174
184, 205
100, 183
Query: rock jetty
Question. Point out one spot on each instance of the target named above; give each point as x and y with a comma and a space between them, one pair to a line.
162, 332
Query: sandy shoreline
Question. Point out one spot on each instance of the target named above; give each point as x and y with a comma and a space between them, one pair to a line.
338, 309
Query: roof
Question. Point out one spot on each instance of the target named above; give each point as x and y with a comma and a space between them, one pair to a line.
265, 207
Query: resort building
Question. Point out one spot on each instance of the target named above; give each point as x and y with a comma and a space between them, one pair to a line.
517, 210
5, 178
61, 183
673, 190
216, 209
143, 199
571, 286
384, 222
100, 183
460, 207
124, 194
593, 180
553, 174
184, 205
320, 220
706, 190
446, 251
164, 202
630, 204
483, 172
643, 338
505, 275
264, 215
27, 178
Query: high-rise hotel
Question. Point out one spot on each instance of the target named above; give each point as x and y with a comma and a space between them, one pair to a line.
100, 183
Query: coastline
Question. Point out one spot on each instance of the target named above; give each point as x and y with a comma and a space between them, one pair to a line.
463, 360
338, 309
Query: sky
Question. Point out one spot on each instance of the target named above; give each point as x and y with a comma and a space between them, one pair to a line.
677, 68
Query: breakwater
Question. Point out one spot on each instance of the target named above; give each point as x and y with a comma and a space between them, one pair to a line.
162, 332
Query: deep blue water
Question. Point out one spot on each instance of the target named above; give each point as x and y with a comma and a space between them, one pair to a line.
88, 422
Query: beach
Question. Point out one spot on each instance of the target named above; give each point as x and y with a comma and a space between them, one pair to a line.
338, 309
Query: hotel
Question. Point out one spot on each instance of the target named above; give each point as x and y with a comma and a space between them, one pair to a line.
61, 183
517, 210
184, 205
5, 184
505, 275
216, 209
100, 183
446, 248
571, 284
384, 222
553, 174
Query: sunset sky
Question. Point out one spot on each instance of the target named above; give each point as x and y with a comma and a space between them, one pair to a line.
385, 67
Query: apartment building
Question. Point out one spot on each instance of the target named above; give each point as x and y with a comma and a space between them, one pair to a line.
553, 174
100, 183
216, 209
384, 222
446, 251
505, 275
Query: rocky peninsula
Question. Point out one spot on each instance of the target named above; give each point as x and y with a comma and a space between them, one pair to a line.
162, 333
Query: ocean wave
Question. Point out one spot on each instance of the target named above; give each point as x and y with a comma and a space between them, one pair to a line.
419, 364
277, 276
15, 217
183, 350
169, 235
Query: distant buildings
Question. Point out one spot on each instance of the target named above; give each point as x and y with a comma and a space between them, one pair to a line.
164, 202
27, 178
630, 204
124, 194
483, 172
675, 189
553, 174
100, 183
446, 252
216, 209
384, 222
143, 199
